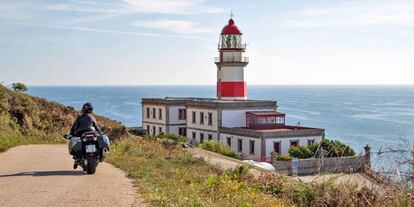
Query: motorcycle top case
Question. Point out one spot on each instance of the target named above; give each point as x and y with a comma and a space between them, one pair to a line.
75, 145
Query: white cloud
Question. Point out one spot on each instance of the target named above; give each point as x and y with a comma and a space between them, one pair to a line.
137, 6
97, 30
12, 12
171, 6
175, 26
354, 13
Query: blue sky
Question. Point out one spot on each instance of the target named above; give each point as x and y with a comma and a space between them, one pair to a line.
152, 42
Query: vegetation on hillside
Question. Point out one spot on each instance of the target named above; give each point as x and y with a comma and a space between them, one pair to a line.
220, 148
20, 87
172, 177
329, 148
30, 120
172, 137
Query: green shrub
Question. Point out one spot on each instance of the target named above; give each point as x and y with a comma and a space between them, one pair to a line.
333, 148
219, 148
20, 87
172, 137
301, 152
285, 157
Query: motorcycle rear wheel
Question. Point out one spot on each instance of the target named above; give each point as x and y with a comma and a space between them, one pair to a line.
91, 167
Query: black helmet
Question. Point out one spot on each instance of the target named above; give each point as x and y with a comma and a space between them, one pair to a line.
87, 108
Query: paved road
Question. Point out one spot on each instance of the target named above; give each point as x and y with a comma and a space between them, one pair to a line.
42, 175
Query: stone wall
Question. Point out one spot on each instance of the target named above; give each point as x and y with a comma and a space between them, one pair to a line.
328, 165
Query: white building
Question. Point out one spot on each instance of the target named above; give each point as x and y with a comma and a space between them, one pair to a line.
252, 128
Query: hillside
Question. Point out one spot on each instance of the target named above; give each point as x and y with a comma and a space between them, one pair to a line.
25, 119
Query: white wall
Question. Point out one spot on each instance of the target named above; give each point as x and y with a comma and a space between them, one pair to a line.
236, 118
245, 144
233, 55
285, 143
151, 131
173, 115
197, 124
198, 132
175, 129
157, 119
230, 74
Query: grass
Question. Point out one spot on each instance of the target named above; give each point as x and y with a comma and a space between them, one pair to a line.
173, 177
30, 120
9, 142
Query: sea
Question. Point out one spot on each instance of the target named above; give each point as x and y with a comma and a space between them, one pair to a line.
356, 115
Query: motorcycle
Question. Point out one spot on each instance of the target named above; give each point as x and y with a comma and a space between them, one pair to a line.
88, 150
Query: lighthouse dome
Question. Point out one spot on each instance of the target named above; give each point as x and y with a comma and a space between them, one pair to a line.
230, 28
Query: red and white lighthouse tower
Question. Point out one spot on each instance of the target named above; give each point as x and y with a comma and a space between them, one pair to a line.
231, 64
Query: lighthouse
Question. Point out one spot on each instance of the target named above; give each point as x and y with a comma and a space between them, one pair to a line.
231, 64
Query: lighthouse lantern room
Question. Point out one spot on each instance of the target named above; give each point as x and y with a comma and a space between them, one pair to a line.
231, 64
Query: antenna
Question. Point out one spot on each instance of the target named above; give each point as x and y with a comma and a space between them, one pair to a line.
231, 14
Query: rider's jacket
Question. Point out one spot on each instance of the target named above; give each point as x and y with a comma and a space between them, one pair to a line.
84, 123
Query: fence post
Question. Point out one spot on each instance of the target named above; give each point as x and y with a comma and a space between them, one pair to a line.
321, 154
367, 149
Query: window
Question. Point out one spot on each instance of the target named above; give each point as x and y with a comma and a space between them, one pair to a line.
210, 119
280, 120
251, 144
194, 135
261, 120
160, 114
181, 114
210, 137
229, 141
153, 130
201, 118
239, 145
182, 131
148, 113
276, 147
311, 141
153, 113
148, 129
294, 143
193, 117
160, 130
201, 138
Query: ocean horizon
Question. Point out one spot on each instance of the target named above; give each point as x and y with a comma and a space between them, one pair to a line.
377, 115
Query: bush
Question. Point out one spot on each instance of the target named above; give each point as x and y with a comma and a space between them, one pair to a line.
172, 137
219, 148
285, 157
20, 87
301, 152
333, 148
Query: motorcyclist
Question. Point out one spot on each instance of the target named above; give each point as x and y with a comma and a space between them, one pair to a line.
85, 122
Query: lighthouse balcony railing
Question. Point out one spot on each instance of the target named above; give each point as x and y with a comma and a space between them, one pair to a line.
232, 47
231, 60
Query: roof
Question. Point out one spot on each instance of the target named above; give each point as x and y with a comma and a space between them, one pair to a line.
265, 113
285, 131
213, 103
230, 28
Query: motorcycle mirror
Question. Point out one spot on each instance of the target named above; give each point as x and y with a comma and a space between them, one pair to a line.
66, 136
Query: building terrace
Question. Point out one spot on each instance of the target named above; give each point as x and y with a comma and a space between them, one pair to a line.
285, 131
